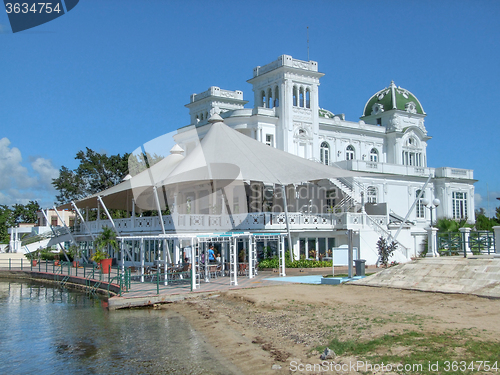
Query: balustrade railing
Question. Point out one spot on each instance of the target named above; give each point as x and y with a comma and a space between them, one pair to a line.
250, 221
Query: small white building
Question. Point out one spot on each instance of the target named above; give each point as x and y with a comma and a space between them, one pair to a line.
41, 229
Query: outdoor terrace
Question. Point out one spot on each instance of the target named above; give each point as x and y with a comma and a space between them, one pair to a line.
251, 221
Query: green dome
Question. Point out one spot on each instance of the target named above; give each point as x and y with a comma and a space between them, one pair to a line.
392, 97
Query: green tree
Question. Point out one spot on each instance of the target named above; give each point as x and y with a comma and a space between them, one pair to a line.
19, 213
483, 222
6, 221
26, 213
96, 172
140, 162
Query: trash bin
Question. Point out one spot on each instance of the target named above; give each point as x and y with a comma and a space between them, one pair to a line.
360, 267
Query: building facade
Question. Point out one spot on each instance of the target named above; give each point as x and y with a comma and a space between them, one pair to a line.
388, 144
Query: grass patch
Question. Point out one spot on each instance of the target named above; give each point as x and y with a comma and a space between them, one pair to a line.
410, 348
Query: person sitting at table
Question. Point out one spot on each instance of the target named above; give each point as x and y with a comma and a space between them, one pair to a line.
187, 254
211, 254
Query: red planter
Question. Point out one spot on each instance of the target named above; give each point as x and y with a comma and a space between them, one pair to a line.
75, 263
33, 263
106, 265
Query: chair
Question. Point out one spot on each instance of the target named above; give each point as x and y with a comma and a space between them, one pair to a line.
242, 269
212, 270
218, 270
180, 271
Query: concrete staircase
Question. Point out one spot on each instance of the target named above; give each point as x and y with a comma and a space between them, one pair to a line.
475, 275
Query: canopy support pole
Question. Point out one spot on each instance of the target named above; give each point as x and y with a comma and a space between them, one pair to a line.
193, 265
287, 226
166, 251
69, 231
142, 258
108, 215
84, 223
114, 226
350, 253
82, 219
160, 217
411, 209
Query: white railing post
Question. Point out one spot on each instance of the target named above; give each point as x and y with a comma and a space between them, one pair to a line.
497, 241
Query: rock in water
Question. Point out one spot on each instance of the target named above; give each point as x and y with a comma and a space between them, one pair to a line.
327, 354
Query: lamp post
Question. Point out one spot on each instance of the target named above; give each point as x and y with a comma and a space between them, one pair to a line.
435, 203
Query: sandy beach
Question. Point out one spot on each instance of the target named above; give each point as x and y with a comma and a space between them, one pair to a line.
272, 330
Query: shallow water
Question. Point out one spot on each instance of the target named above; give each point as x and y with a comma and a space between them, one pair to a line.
48, 330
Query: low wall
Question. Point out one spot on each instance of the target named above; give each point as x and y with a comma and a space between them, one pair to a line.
74, 282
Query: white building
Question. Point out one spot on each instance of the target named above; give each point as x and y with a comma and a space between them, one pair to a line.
390, 140
41, 230
388, 146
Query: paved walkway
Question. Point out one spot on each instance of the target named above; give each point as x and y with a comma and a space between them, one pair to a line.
474, 275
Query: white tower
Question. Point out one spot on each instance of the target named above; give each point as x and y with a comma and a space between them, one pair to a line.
401, 113
290, 87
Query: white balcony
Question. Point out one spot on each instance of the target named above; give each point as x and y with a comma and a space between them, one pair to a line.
260, 221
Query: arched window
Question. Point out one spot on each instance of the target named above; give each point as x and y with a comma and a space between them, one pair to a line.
411, 142
301, 96
325, 153
276, 97
295, 96
270, 98
374, 155
263, 99
371, 194
420, 204
349, 153
308, 98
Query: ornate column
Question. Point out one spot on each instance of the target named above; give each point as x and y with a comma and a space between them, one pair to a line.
432, 242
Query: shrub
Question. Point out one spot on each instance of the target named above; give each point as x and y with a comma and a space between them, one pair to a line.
385, 250
301, 263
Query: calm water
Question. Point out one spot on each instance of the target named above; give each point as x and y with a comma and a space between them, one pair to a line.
46, 330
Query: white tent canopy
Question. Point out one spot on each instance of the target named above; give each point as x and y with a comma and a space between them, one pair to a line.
226, 154
138, 187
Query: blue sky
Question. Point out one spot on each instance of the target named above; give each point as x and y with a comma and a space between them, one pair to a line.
113, 74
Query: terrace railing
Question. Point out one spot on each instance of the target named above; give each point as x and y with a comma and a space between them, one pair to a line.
477, 242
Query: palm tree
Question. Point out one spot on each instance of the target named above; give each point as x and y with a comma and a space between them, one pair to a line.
105, 239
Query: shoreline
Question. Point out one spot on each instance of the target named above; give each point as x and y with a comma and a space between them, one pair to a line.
257, 328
